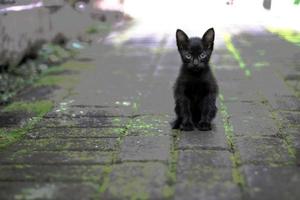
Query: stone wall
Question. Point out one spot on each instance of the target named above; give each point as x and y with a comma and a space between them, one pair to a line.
23, 32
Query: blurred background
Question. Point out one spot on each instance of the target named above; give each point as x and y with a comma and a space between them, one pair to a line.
35, 34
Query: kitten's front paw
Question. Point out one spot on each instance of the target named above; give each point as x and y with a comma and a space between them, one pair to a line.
188, 126
176, 124
204, 126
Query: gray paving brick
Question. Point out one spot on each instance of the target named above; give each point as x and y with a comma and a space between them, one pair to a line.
56, 157
205, 175
136, 181
150, 125
262, 150
141, 148
290, 103
43, 133
274, 183
94, 144
47, 191
50, 173
251, 118
206, 158
294, 134
14, 119
290, 118
214, 139
83, 122
120, 109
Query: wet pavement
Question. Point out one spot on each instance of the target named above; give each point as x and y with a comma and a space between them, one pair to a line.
110, 137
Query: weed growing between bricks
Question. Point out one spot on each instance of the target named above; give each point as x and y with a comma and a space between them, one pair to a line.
56, 76
39, 108
236, 54
237, 175
287, 140
169, 190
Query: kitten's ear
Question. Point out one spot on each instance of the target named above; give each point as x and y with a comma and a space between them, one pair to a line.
208, 38
182, 39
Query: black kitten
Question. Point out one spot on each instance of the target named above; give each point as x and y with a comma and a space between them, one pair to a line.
196, 89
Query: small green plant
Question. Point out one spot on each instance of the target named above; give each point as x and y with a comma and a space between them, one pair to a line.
39, 107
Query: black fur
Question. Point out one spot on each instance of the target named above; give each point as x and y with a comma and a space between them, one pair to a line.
196, 89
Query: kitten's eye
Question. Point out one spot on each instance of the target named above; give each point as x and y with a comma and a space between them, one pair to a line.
202, 55
188, 56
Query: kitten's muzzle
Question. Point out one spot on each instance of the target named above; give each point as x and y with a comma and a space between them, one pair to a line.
196, 62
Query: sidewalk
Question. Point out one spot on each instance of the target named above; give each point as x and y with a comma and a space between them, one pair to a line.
110, 138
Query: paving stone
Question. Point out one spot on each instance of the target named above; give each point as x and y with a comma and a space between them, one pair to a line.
205, 158
237, 89
262, 150
150, 125
202, 140
277, 93
205, 174
14, 119
290, 103
47, 191
136, 181
36, 93
83, 122
142, 148
93, 144
56, 157
66, 109
273, 182
50, 173
214, 139
275, 90
62, 132
251, 119
290, 118
293, 133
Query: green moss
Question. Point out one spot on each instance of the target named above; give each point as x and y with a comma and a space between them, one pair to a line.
105, 182
287, 139
237, 175
53, 70
247, 73
50, 81
168, 192
236, 54
287, 34
76, 65
261, 52
259, 65
142, 125
99, 28
135, 107
238, 178
92, 30
9, 137
39, 107
227, 126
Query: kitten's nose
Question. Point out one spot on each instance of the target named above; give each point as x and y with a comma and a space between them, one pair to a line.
195, 62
